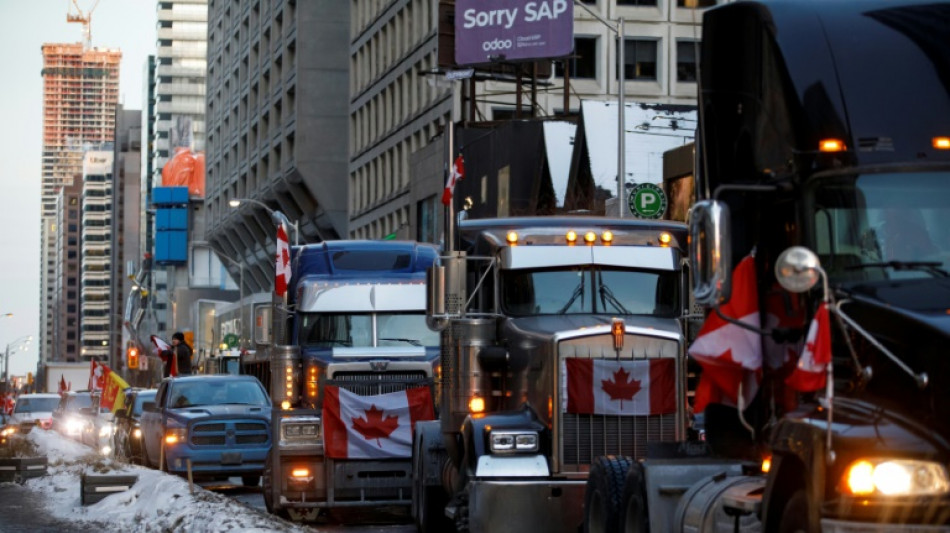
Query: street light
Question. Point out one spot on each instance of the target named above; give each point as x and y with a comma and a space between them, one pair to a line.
6, 359
276, 216
621, 113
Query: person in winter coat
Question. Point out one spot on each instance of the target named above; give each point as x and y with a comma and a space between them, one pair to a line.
182, 353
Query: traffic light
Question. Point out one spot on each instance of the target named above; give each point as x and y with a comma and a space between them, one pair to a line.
29, 378
133, 357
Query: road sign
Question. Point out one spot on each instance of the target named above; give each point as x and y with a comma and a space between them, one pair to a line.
231, 340
647, 200
459, 74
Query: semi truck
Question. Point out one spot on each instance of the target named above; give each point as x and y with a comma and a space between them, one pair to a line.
355, 341
74, 375
561, 338
824, 156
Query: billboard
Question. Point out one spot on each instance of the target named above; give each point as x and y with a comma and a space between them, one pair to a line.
512, 30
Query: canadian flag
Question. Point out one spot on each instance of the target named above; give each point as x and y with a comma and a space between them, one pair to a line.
611, 387
729, 354
372, 427
63, 386
457, 173
282, 269
811, 372
97, 376
165, 350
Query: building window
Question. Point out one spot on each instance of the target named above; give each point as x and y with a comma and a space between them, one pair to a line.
639, 59
583, 61
503, 113
641, 3
695, 3
427, 218
686, 60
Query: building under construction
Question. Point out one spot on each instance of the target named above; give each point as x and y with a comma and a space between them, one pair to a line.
80, 94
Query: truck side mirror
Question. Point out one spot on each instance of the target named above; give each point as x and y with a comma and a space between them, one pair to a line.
709, 252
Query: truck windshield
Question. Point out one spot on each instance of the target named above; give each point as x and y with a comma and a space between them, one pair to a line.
590, 289
883, 226
331, 330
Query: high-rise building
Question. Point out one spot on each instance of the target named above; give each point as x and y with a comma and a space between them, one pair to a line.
126, 192
65, 283
80, 94
96, 253
278, 98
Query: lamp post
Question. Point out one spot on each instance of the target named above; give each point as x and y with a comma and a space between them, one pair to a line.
277, 216
621, 113
6, 359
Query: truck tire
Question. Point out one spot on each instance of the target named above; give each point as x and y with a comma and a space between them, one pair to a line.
795, 514
634, 514
602, 497
428, 502
267, 483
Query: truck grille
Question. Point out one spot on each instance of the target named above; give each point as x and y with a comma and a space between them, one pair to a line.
375, 383
584, 437
229, 433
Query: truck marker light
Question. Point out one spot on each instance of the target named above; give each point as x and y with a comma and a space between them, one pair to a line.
607, 237
476, 404
285, 405
860, 478
942, 143
617, 330
571, 237
590, 237
766, 464
665, 239
831, 145
300, 473
512, 237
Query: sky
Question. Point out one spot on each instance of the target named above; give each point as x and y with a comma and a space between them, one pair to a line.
25, 25
157, 501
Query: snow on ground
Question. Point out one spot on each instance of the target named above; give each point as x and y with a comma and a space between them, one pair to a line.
157, 502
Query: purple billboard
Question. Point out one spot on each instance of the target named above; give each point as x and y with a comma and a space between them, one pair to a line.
512, 30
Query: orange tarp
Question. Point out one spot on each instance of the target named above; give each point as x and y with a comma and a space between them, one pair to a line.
186, 169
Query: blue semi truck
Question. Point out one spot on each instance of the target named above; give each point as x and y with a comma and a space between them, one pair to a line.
351, 335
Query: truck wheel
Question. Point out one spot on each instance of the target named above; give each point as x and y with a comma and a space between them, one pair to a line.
428, 502
603, 494
795, 514
267, 483
634, 516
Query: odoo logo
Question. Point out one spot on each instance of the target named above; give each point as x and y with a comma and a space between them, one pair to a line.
497, 44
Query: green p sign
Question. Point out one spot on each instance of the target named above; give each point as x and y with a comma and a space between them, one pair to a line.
647, 201
231, 340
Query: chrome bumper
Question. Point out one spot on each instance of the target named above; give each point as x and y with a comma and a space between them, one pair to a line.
547, 505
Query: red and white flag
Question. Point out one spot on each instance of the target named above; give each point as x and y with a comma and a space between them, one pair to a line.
164, 350
729, 354
611, 387
456, 174
811, 372
372, 427
63, 386
97, 376
160, 345
282, 268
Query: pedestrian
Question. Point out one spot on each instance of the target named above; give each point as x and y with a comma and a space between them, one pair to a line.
182, 353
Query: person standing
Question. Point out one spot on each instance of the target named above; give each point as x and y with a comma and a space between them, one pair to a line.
182, 353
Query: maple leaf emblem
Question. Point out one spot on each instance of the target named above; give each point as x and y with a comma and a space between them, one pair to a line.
373, 426
621, 387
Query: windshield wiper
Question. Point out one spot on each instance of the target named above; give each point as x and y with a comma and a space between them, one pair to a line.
926, 266
413, 342
578, 292
607, 295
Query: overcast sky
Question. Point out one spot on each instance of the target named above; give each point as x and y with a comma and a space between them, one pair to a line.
24, 26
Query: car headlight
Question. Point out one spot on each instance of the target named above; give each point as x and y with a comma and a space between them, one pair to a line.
176, 435
136, 433
895, 477
513, 441
301, 430
74, 425
7, 431
106, 430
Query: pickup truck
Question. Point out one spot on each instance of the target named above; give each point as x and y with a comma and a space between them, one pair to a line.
215, 426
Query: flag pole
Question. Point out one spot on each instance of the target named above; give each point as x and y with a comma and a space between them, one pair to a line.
449, 169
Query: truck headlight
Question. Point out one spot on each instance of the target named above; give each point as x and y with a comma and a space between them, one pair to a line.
300, 431
513, 441
7, 431
176, 435
895, 477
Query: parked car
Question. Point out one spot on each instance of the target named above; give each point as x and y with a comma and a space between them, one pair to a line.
33, 410
99, 427
68, 418
127, 440
217, 426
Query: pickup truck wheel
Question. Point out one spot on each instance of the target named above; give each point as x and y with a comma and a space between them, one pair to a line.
795, 514
602, 497
634, 516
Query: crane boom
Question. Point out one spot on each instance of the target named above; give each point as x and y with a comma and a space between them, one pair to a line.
84, 18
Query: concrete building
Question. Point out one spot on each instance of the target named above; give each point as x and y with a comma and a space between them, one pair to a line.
400, 100
80, 94
65, 311
96, 267
277, 115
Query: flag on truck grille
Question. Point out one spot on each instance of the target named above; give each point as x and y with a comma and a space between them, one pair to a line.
731, 355
611, 387
282, 267
372, 427
810, 373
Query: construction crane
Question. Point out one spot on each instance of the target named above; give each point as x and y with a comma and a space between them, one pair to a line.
84, 18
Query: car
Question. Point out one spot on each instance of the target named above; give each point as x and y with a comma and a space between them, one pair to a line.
33, 410
208, 426
127, 440
68, 419
99, 426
